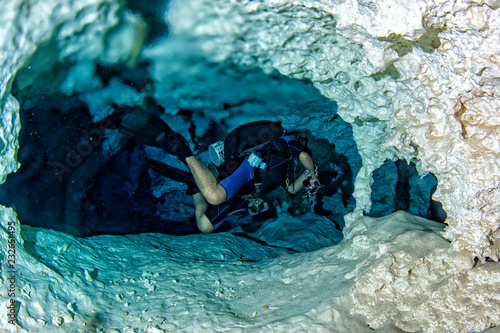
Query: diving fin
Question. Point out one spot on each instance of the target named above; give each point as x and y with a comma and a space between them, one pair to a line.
147, 128
144, 127
170, 172
174, 174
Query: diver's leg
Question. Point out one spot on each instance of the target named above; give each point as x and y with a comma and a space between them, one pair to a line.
217, 215
200, 207
213, 192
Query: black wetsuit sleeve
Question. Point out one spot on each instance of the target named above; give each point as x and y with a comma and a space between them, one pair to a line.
307, 150
296, 148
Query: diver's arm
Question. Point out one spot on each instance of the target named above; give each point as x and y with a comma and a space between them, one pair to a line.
298, 184
310, 172
308, 163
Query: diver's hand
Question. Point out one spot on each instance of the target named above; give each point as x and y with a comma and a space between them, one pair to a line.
314, 177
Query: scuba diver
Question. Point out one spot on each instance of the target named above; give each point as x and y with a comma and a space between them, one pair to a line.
253, 160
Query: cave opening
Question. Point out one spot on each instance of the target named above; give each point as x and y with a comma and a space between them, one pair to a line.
398, 186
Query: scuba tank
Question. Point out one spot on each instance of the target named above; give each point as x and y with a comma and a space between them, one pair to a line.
245, 140
216, 153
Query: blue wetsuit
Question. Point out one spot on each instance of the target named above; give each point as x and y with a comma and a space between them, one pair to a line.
277, 155
234, 183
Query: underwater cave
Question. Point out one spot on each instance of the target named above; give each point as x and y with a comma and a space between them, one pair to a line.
105, 242
79, 176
